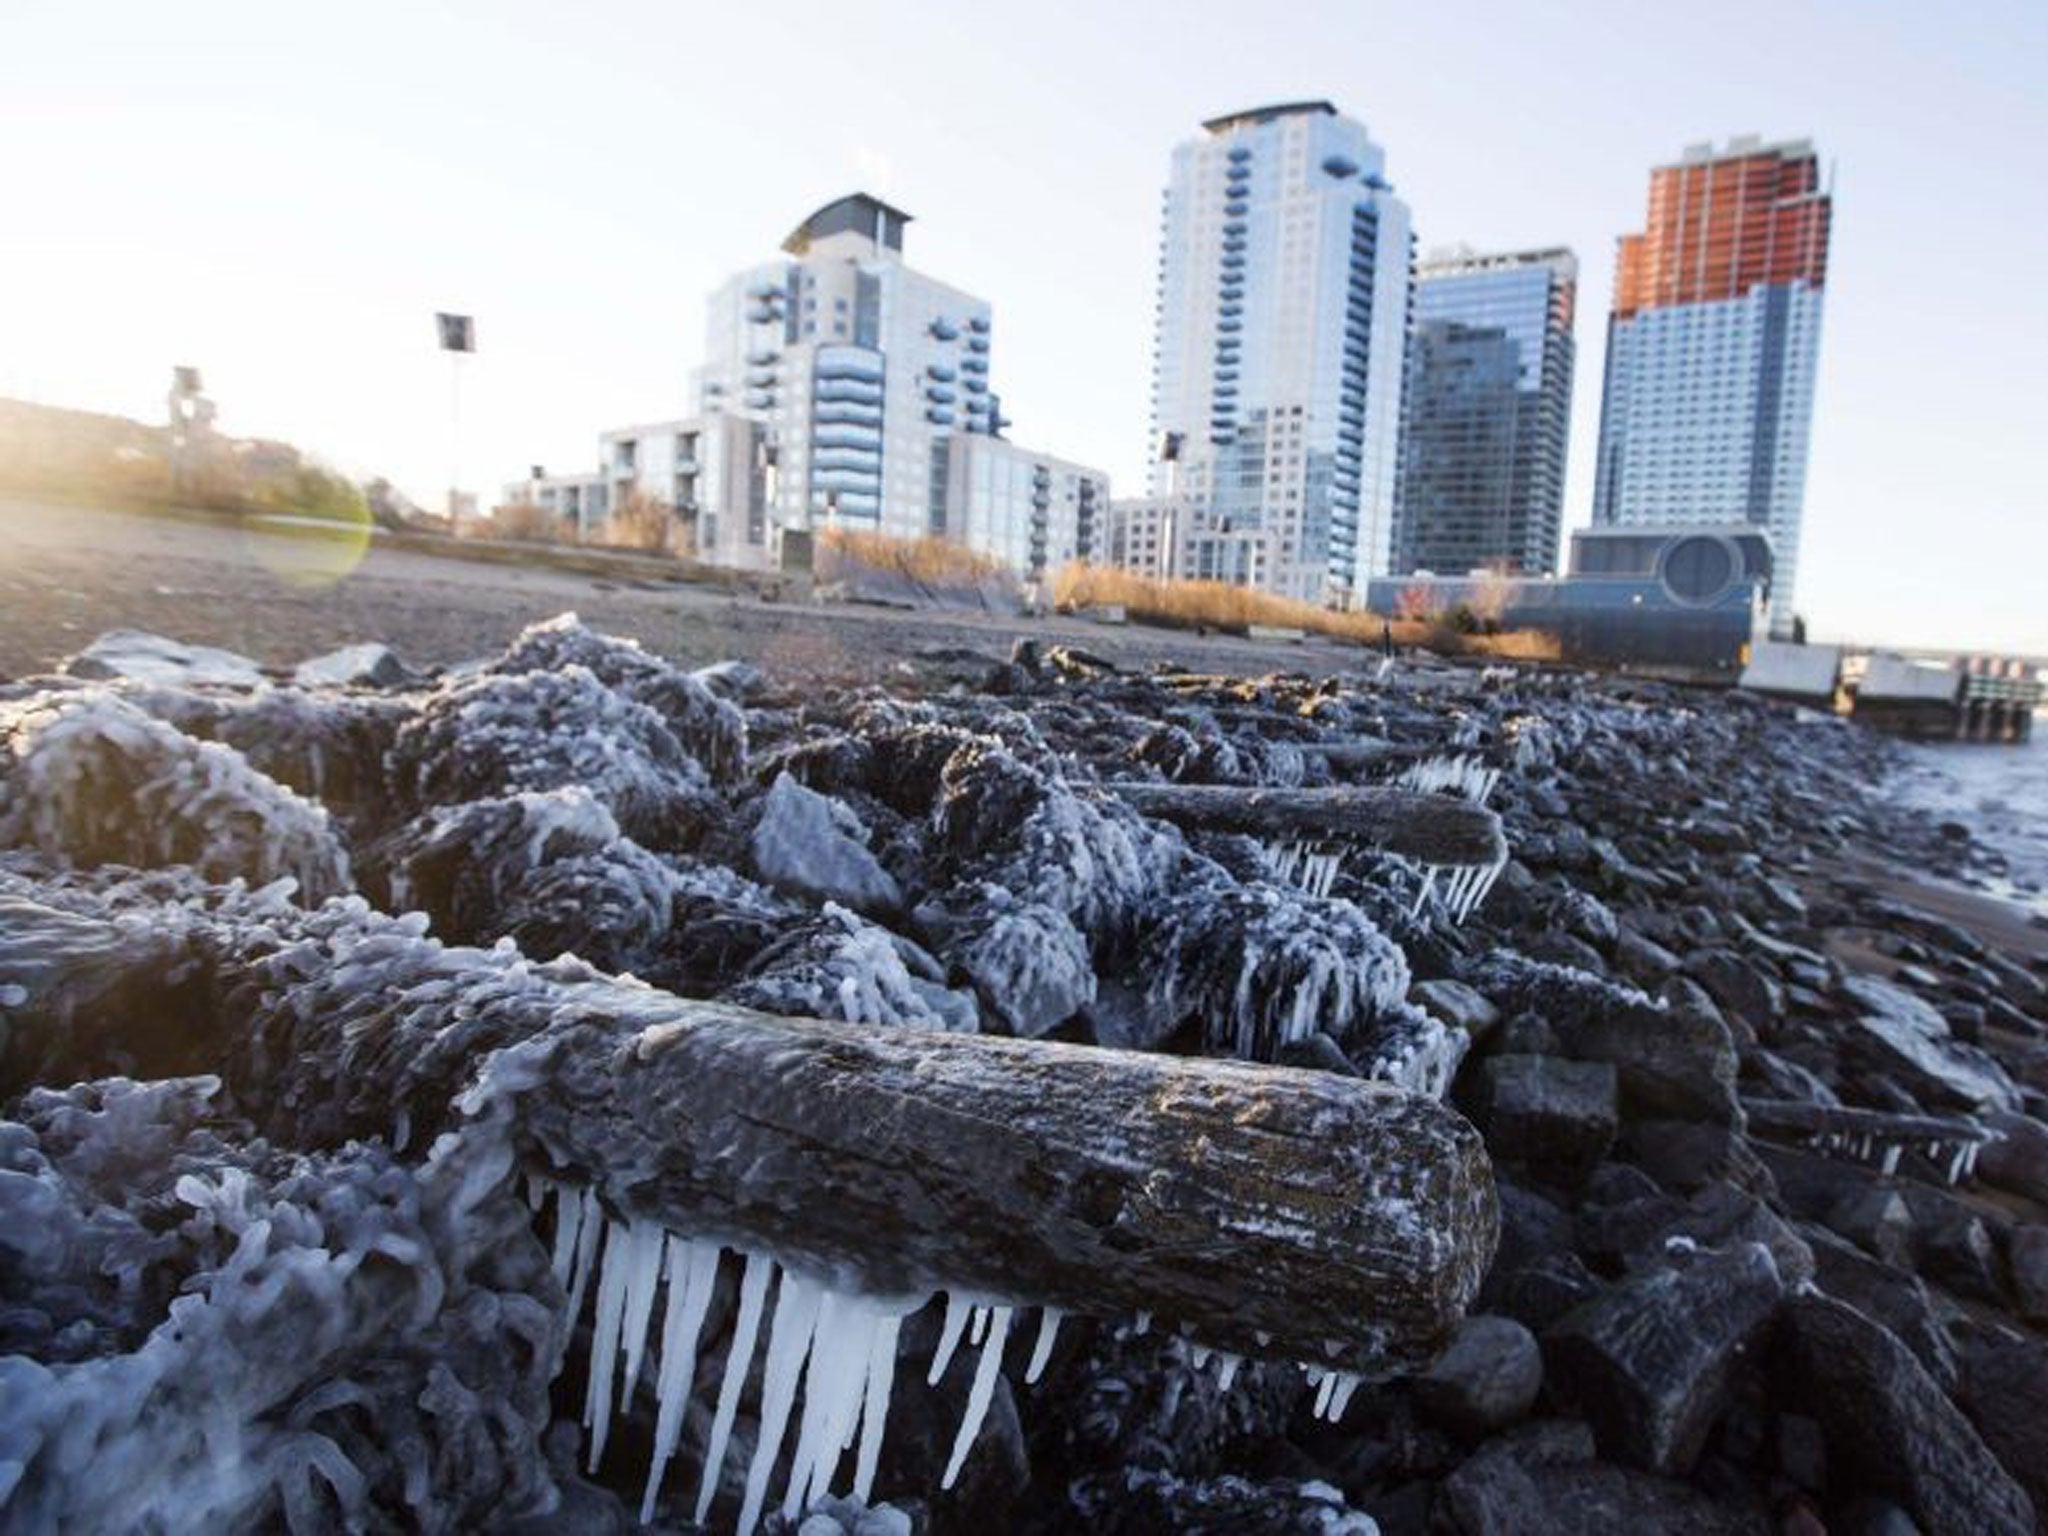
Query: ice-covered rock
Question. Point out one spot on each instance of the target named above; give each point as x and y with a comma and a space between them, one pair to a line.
508, 733
369, 665
89, 779
811, 845
837, 966
1262, 966
709, 727
139, 657
231, 1337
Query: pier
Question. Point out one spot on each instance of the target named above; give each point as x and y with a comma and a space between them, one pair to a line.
1973, 698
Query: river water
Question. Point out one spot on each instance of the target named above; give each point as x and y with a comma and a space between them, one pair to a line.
2001, 793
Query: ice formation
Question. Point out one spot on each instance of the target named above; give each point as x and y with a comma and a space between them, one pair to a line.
580, 797
831, 1351
88, 778
1264, 967
1467, 776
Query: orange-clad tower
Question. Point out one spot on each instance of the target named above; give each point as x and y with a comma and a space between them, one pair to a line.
1712, 345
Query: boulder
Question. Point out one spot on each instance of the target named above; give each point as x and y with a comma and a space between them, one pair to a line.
1650, 1363
2029, 1255
1642, 959
2016, 1157
1890, 1429
134, 656
1459, 1006
1955, 1245
1670, 1064
1876, 1219
1906, 1039
812, 845
2003, 1387
1739, 987
1542, 1480
1552, 1115
369, 665
1690, 1154
1485, 1381
1890, 1294
1140, 1502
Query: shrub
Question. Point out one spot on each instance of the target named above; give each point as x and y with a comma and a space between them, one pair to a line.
639, 521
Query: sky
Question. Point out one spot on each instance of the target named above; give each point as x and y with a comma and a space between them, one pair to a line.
283, 195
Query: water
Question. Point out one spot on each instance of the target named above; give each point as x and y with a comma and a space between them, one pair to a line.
2001, 794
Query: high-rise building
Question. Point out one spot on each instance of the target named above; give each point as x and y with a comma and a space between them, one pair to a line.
858, 369
1283, 311
1712, 347
840, 388
1032, 512
1487, 413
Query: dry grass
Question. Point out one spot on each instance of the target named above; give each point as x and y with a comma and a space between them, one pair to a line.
937, 562
1220, 605
1203, 604
524, 521
641, 522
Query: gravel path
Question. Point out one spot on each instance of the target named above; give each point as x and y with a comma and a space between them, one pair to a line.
68, 573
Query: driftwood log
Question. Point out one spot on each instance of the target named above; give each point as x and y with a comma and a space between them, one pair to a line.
1271, 1211
1433, 829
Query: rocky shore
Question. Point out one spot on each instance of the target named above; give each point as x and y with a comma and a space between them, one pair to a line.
1708, 1176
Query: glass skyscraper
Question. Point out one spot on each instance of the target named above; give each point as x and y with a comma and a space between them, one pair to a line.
1488, 413
1712, 347
1283, 310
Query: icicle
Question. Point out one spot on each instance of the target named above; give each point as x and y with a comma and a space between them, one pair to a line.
949, 1338
1198, 1355
568, 1223
978, 1396
1048, 1330
1428, 885
1325, 1389
832, 1386
536, 1192
1347, 1383
1891, 1158
1970, 1160
789, 1343
1955, 1162
980, 1329
643, 1277
591, 1230
1227, 1372
874, 1414
692, 1276
753, 1289
604, 1338
1144, 1323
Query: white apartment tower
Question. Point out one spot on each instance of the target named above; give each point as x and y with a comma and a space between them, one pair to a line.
1284, 282
859, 371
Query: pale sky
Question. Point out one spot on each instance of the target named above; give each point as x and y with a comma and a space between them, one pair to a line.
282, 194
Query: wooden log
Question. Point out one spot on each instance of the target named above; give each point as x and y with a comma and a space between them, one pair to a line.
1271, 1211
1433, 829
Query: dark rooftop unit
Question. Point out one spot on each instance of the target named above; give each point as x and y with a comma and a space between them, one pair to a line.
1681, 601
859, 214
1257, 115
